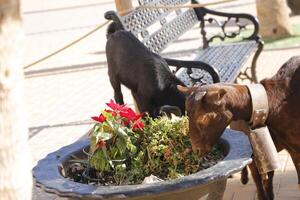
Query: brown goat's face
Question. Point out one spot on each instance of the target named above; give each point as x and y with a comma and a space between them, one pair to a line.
207, 114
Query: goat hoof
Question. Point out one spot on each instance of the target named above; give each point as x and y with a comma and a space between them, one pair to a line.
244, 180
244, 176
261, 196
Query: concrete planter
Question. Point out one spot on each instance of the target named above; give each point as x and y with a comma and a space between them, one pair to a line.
210, 181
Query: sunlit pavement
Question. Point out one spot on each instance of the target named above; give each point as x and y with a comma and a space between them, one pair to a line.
64, 91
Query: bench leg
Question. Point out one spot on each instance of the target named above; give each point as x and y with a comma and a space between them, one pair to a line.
254, 61
217, 190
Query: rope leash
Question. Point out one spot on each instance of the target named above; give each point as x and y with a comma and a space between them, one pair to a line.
68, 45
159, 6
123, 12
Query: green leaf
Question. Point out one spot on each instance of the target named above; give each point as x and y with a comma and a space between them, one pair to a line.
121, 144
104, 136
104, 150
96, 127
114, 152
132, 148
122, 132
121, 167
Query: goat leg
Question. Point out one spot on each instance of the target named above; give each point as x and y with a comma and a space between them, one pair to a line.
144, 104
115, 83
296, 160
261, 194
244, 176
268, 185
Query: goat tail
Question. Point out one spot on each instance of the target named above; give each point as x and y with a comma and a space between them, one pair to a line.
244, 176
112, 28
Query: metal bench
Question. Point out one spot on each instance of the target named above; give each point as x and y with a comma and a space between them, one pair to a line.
214, 62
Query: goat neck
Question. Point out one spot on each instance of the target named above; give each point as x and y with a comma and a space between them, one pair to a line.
238, 101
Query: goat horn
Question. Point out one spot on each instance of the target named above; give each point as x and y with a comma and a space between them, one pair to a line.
200, 95
183, 89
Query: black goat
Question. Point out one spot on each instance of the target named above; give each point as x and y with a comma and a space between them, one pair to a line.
146, 74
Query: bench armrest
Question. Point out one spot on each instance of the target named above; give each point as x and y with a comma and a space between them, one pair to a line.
206, 15
195, 65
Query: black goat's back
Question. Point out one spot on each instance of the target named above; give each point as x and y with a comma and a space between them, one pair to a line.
145, 73
127, 56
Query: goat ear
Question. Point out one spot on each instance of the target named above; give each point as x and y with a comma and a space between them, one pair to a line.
184, 90
215, 96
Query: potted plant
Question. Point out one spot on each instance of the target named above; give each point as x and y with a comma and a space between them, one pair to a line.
130, 156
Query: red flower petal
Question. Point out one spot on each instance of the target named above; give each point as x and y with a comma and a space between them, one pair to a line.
114, 106
95, 118
126, 122
139, 116
138, 125
113, 113
129, 114
100, 119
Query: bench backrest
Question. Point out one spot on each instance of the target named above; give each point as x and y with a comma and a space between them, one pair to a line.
156, 28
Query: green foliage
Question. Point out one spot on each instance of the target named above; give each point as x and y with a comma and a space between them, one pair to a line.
162, 149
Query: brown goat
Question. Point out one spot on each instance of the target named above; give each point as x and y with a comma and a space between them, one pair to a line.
211, 108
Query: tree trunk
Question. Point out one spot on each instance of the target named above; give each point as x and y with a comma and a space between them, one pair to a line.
294, 6
274, 18
15, 162
123, 6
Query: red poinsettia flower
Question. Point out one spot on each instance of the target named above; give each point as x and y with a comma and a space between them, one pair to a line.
115, 106
126, 122
138, 125
129, 114
100, 119
113, 113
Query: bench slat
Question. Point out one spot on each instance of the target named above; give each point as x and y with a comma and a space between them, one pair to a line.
226, 58
171, 31
163, 2
138, 20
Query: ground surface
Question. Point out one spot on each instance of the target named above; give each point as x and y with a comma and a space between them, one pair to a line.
63, 92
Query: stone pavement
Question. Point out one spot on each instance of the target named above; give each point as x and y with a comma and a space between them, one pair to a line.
64, 91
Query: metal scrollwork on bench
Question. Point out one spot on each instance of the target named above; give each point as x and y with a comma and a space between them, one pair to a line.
245, 76
194, 72
195, 80
222, 24
225, 20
